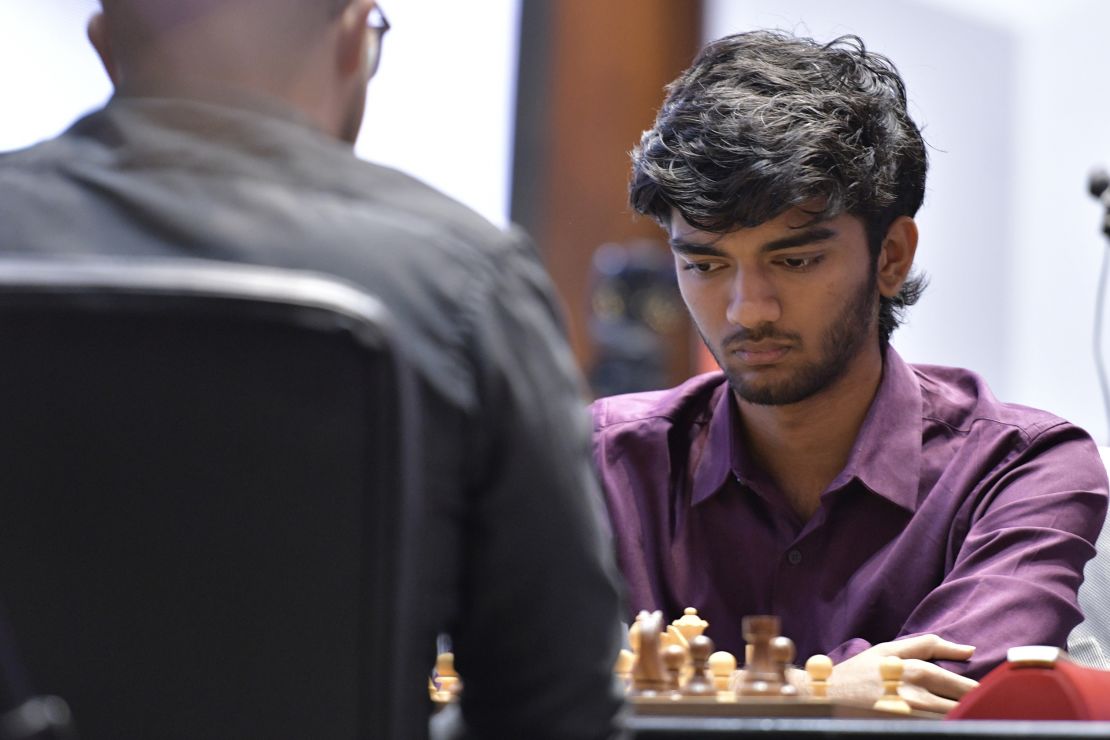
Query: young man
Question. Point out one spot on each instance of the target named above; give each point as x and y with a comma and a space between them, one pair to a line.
878, 508
229, 138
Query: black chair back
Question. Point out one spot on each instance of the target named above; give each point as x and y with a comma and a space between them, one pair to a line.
205, 499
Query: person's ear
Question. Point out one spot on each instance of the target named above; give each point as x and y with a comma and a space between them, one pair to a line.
97, 31
353, 37
896, 255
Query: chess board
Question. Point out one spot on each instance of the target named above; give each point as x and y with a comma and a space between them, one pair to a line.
672, 671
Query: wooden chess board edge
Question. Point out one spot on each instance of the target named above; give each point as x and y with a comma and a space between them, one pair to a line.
688, 706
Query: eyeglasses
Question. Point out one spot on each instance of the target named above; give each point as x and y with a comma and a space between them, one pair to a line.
378, 25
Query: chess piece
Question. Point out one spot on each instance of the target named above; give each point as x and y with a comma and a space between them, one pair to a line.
819, 668
634, 632
648, 672
672, 636
761, 677
890, 668
690, 625
448, 681
623, 667
782, 655
674, 660
700, 682
722, 665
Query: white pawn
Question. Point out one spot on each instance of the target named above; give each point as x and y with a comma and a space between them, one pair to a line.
819, 668
890, 668
722, 665
623, 667
450, 685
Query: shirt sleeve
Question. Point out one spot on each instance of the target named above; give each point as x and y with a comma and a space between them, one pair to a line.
539, 631
1016, 573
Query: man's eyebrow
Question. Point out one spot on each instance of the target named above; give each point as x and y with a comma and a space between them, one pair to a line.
802, 238
695, 248
809, 236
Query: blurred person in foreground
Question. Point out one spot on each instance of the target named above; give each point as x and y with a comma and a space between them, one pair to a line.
229, 137
879, 508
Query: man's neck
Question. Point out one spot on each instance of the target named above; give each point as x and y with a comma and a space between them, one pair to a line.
225, 93
803, 446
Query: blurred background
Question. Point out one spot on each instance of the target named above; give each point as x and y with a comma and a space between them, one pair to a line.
526, 110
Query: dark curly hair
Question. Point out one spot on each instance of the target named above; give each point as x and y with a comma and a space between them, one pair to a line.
765, 121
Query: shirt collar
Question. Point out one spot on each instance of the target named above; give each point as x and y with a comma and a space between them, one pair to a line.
886, 457
714, 464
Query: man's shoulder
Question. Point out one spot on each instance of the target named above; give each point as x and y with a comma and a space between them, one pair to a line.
688, 402
28, 164
15, 159
255, 166
961, 400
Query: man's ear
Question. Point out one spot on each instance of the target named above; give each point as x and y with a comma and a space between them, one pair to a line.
353, 37
896, 255
97, 31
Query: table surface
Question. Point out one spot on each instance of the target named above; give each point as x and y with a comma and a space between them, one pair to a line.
688, 728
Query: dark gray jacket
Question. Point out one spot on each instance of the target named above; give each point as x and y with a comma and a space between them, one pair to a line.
522, 574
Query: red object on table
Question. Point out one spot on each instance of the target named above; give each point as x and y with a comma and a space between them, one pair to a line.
1038, 683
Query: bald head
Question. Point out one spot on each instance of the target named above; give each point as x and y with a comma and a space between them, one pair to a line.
308, 52
151, 17
210, 32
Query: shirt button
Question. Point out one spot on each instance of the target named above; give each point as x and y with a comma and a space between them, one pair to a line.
794, 557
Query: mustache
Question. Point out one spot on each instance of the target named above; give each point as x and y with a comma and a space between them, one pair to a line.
760, 333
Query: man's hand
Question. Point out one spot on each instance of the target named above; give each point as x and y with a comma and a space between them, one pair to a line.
924, 685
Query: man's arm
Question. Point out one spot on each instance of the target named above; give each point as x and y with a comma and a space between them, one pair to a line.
540, 630
1015, 577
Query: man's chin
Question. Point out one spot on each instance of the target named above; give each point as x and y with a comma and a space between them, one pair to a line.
770, 393
763, 396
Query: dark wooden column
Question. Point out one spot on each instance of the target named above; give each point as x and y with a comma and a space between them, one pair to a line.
591, 79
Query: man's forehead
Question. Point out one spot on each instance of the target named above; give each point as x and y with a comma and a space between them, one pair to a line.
795, 218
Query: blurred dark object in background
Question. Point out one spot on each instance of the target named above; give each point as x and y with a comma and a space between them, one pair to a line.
636, 317
591, 79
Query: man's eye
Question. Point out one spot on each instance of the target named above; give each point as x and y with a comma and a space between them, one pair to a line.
700, 267
799, 263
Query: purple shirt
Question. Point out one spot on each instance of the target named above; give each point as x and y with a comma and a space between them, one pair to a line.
956, 514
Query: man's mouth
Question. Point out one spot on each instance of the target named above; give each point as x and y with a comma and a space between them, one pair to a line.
760, 354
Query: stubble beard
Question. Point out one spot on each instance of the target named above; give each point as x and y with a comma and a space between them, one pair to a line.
841, 342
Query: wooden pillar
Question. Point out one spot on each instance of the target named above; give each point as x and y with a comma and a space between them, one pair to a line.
591, 79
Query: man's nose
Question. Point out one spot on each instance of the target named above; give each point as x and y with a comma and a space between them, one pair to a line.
754, 300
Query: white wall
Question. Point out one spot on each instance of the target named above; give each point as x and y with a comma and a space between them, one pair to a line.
443, 103
48, 72
1013, 100
441, 107
1013, 97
